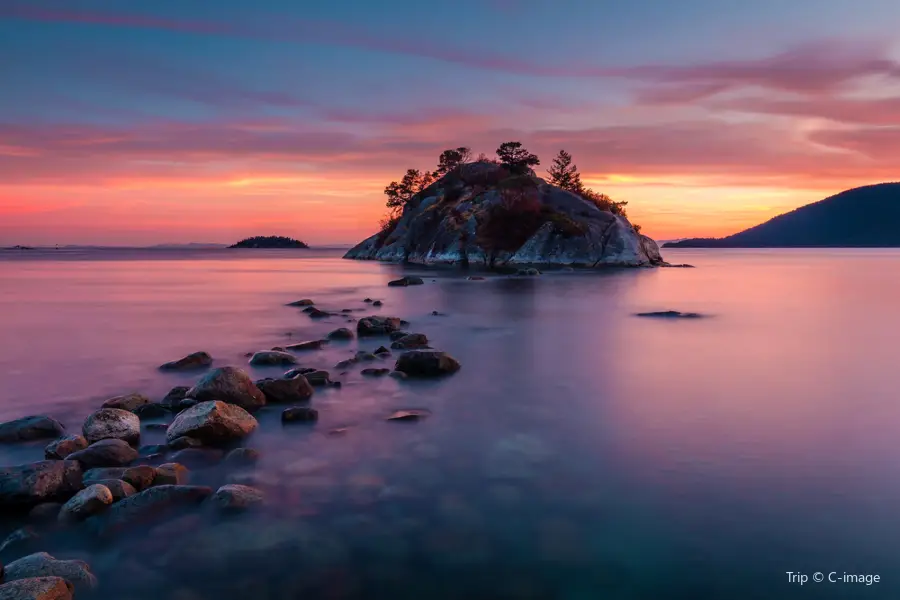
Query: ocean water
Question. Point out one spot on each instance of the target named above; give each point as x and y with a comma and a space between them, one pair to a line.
581, 452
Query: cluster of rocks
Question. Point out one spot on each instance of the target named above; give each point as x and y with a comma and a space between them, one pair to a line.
102, 481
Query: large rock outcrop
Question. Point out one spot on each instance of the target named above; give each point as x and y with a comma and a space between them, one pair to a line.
481, 215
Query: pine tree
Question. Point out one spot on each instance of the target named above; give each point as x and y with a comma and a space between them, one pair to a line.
516, 158
564, 174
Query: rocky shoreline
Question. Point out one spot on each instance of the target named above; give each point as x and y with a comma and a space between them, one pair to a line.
100, 483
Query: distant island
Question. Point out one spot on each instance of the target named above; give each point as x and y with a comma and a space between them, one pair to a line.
269, 241
863, 217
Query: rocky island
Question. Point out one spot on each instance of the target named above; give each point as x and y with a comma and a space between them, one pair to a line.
269, 241
498, 214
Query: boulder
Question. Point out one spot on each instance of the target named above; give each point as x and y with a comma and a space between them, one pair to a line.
308, 345
375, 325
272, 358
105, 453
235, 497
118, 488
213, 423
180, 443
129, 402
378, 303
37, 588
41, 564
375, 372
228, 384
195, 360
286, 391
341, 333
140, 477
318, 378
412, 341
302, 414
172, 474
406, 281
241, 457
381, 350
347, 363
427, 363
65, 446
304, 302
175, 396
152, 504
315, 313
186, 404
396, 335
151, 410
88, 502
20, 542
26, 486
30, 428
112, 423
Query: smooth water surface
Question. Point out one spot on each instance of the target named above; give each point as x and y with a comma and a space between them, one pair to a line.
580, 453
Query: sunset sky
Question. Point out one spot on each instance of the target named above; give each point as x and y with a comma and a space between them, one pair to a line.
134, 122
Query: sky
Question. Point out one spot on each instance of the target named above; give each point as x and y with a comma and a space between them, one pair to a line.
137, 122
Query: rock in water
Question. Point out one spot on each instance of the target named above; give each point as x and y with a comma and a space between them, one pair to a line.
20, 542
196, 360
140, 477
670, 314
172, 474
30, 428
112, 423
105, 453
406, 281
315, 313
286, 391
241, 457
41, 564
213, 423
26, 486
235, 497
410, 342
427, 363
151, 411
231, 385
37, 588
175, 396
408, 415
129, 402
153, 503
89, 501
309, 345
272, 358
374, 372
63, 447
375, 325
299, 414
304, 302
118, 488
340, 334
482, 215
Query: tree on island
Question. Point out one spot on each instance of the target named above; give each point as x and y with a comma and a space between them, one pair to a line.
517, 159
399, 193
451, 159
269, 241
565, 175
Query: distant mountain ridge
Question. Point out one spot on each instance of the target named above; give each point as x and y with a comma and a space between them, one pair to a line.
863, 217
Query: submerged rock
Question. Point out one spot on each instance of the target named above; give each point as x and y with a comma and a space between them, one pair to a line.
198, 458
20, 542
299, 414
318, 378
231, 385
304, 302
670, 314
399, 375
483, 215
309, 345
30, 428
341, 333
315, 313
43, 513
427, 363
406, 281
140, 477
175, 396
241, 457
105, 453
381, 350
153, 503
88, 502
410, 342
213, 423
408, 415
272, 358
182, 442
65, 446
236, 497
374, 372
37, 588
26, 486
129, 402
286, 391
195, 360
396, 335
41, 564
375, 325
112, 423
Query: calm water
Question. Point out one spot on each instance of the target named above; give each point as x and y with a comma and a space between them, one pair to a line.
580, 453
